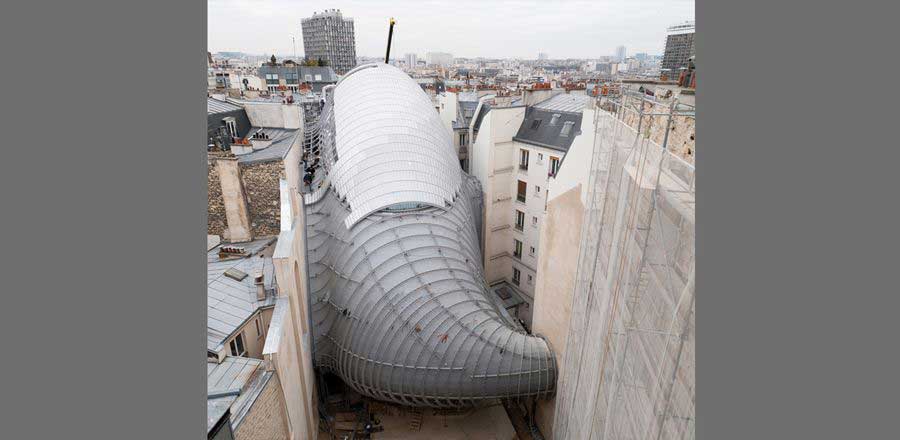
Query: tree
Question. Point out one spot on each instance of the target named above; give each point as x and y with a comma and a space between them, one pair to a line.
272, 60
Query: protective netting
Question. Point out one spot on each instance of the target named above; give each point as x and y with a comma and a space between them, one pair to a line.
629, 360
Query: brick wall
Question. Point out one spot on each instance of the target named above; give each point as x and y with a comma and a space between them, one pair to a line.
265, 420
215, 208
261, 183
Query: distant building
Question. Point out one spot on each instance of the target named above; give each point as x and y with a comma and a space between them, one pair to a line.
411, 60
679, 48
330, 36
439, 59
543, 56
292, 75
457, 110
620, 53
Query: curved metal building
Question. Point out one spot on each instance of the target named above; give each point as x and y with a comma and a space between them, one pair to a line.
400, 307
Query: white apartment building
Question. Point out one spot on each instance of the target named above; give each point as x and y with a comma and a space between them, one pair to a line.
518, 151
457, 109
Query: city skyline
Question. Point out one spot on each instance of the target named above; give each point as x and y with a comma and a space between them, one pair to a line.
639, 26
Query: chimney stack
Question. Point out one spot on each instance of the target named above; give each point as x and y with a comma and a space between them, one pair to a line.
258, 279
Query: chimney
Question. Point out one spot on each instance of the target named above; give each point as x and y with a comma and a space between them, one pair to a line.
258, 279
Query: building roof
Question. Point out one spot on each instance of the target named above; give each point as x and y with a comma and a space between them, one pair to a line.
230, 302
485, 108
232, 384
415, 160
565, 102
549, 129
214, 106
282, 139
465, 113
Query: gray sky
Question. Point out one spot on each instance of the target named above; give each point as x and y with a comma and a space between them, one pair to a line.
465, 28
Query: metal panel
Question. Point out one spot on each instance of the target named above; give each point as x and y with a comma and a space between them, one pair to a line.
390, 143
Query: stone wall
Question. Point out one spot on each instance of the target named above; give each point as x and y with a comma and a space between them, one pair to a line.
261, 184
265, 420
215, 207
682, 131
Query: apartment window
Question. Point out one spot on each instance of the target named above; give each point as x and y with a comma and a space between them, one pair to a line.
291, 78
307, 77
520, 193
530, 279
318, 77
554, 166
535, 124
523, 159
540, 157
531, 251
259, 329
517, 276
518, 252
534, 221
462, 139
271, 78
537, 191
520, 220
567, 128
237, 345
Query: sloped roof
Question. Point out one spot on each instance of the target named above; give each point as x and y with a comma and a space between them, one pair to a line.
544, 128
229, 302
214, 106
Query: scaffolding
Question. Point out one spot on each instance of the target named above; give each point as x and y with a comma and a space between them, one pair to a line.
629, 358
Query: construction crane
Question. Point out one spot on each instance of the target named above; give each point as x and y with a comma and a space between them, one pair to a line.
387, 56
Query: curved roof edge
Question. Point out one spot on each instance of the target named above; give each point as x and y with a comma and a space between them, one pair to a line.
383, 118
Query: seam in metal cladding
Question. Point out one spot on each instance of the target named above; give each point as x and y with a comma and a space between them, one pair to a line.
401, 310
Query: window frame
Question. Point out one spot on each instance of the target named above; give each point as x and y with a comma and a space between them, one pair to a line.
238, 342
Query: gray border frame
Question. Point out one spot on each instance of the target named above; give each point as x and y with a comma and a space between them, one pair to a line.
797, 221
104, 214
797, 233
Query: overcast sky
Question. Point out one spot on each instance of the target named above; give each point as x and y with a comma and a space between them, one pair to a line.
465, 28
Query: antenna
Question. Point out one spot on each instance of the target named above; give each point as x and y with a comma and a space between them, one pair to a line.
387, 56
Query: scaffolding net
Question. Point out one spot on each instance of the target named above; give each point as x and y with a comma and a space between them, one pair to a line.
629, 359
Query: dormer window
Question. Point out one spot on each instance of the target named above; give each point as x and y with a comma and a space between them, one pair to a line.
535, 124
231, 125
554, 119
567, 128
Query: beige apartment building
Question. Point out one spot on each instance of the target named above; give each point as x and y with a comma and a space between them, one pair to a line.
520, 148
